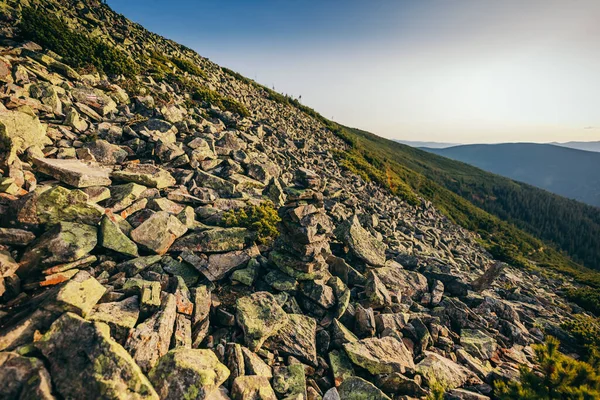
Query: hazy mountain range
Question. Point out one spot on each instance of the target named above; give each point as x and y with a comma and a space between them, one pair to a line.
557, 168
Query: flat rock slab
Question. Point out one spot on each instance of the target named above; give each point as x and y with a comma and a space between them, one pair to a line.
188, 374
252, 387
158, 232
260, 316
86, 362
218, 240
121, 316
380, 355
18, 132
73, 172
296, 338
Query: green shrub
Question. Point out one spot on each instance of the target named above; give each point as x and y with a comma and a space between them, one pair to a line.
555, 377
262, 219
586, 298
188, 66
587, 332
77, 49
224, 103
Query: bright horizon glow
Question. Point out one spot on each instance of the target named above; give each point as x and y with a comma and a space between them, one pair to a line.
464, 72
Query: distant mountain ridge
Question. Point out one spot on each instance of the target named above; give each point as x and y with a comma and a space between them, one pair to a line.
587, 146
559, 169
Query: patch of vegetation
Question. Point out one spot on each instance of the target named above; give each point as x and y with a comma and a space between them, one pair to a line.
188, 66
587, 298
224, 103
555, 377
262, 219
77, 49
586, 330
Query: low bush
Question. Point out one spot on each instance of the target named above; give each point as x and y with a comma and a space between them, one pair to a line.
555, 377
262, 219
77, 49
224, 103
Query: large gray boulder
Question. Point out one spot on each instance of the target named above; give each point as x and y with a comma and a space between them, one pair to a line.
363, 245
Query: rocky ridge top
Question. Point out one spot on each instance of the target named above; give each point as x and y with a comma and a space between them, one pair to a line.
118, 279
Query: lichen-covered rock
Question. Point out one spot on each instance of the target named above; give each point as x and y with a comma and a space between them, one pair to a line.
57, 204
188, 374
477, 343
399, 280
158, 232
121, 316
217, 240
78, 295
260, 316
361, 242
145, 174
341, 367
290, 381
355, 388
150, 340
296, 338
23, 378
66, 242
18, 132
111, 237
380, 355
77, 348
435, 368
252, 387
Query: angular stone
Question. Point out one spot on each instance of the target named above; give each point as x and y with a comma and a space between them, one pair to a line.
478, 344
341, 335
220, 185
122, 196
64, 243
355, 388
150, 340
188, 374
23, 378
341, 366
73, 172
111, 237
254, 365
361, 242
22, 332
16, 237
106, 153
399, 280
202, 302
219, 265
158, 232
296, 338
318, 292
18, 132
290, 382
376, 293
260, 316
218, 240
8, 265
380, 356
435, 368
400, 384
61, 204
145, 174
120, 316
280, 281
137, 265
189, 274
76, 347
251, 387
182, 337
78, 295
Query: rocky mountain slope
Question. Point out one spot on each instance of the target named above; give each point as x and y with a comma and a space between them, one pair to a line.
131, 265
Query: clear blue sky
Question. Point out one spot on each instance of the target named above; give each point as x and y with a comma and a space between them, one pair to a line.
454, 71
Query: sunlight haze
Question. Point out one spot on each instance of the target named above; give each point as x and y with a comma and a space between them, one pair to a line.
463, 71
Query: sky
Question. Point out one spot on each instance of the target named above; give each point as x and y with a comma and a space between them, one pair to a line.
462, 71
